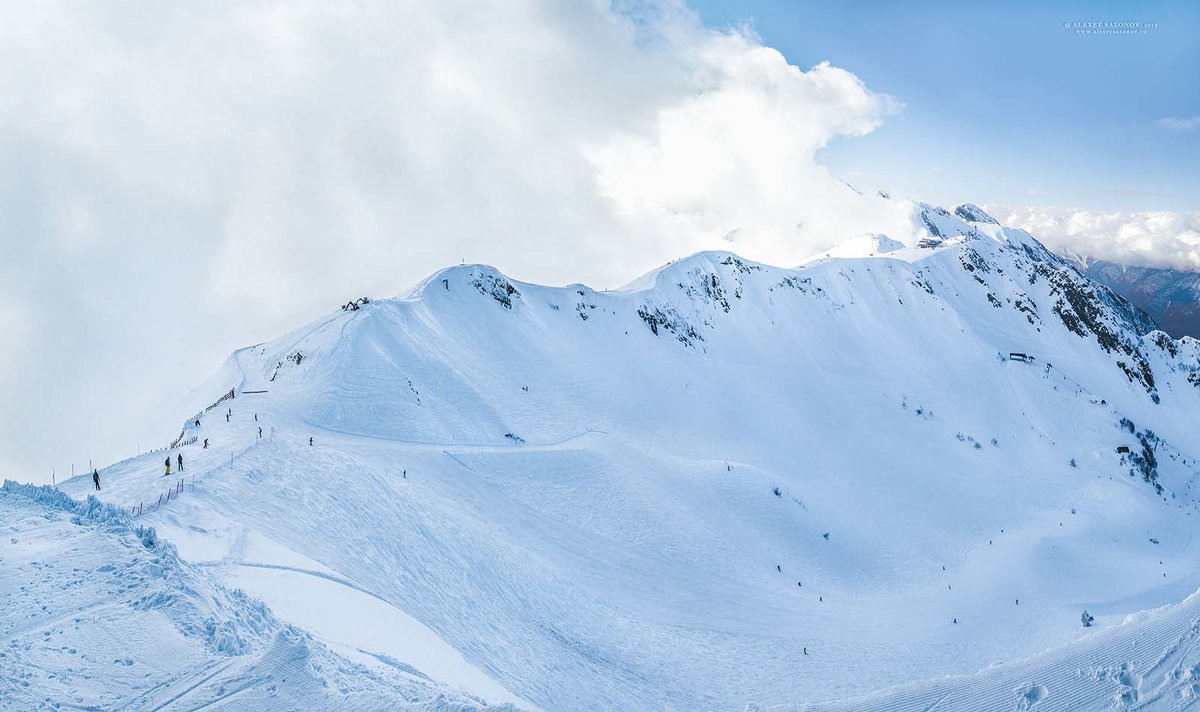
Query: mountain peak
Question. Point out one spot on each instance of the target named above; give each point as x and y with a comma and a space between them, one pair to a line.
973, 213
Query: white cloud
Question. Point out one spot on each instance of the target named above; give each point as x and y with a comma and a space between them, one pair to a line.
1150, 239
736, 159
180, 179
1180, 123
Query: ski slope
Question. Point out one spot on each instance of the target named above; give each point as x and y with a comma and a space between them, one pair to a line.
100, 614
1150, 661
727, 485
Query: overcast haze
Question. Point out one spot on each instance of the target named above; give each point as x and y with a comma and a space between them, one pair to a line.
177, 182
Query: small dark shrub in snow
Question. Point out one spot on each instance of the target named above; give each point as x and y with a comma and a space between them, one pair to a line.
964, 438
778, 492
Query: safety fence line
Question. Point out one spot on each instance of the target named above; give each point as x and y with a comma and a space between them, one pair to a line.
175, 443
231, 394
183, 440
176, 490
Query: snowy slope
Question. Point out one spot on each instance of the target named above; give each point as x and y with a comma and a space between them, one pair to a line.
726, 484
100, 614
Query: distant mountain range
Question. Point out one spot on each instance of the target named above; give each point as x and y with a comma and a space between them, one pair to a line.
1171, 297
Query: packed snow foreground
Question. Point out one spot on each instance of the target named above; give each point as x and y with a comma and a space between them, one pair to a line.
894, 477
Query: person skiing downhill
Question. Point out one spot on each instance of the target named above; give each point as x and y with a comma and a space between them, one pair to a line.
181, 462
168, 463
96, 479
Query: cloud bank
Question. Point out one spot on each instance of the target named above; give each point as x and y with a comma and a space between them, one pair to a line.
1145, 239
178, 179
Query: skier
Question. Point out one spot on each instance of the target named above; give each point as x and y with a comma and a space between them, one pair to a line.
205, 443
168, 463
181, 462
256, 417
260, 432
310, 441
96, 480
197, 422
227, 417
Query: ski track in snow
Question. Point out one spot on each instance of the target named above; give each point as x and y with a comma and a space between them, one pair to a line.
1147, 664
96, 618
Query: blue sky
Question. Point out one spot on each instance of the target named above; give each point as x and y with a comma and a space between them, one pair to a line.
1002, 103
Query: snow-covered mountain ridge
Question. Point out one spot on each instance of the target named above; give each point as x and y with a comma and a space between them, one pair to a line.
725, 484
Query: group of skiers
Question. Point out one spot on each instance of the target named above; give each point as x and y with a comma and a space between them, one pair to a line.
179, 456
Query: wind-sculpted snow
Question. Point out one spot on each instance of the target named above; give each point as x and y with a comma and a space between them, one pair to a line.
98, 614
92, 510
725, 484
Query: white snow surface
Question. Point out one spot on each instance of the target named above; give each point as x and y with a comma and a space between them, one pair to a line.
99, 613
725, 486
865, 246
